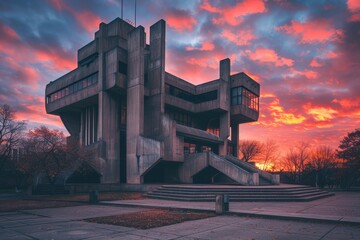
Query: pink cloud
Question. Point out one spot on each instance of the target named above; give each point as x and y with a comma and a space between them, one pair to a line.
241, 38
315, 63
353, 5
312, 31
265, 55
180, 20
205, 46
233, 15
86, 19
205, 5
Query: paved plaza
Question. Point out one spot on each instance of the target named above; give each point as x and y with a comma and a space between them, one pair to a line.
67, 222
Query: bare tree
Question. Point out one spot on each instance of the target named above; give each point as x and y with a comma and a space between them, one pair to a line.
269, 155
45, 152
322, 159
10, 133
250, 149
295, 160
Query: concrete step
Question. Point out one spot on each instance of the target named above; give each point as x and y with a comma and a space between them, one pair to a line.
234, 195
244, 192
208, 193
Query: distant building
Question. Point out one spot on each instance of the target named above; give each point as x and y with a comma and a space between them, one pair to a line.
147, 125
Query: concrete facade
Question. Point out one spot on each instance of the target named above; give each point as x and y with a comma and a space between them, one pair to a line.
146, 125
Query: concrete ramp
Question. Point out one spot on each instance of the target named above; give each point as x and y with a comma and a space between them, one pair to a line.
194, 163
264, 177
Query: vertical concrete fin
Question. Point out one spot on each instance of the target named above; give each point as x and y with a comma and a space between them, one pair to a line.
135, 101
225, 117
235, 139
225, 69
155, 104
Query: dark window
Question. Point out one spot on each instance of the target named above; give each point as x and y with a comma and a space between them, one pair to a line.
123, 68
181, 117
77, 86
179, 93
242, 96
205, 97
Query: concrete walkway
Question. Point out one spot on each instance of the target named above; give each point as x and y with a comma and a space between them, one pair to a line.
344, 207
339, 219
66, 223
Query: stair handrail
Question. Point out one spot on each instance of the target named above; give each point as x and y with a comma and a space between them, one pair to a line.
268, 176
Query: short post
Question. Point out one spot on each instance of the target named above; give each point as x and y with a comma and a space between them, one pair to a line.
93, 197
219, 204
226, 203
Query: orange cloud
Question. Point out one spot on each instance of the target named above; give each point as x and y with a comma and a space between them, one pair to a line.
206, 46
266, 55
312, 31
348, 103
322, 113
280, 115
242, 38
234, 15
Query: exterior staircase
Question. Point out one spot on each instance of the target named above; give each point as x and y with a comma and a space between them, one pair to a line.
207, 193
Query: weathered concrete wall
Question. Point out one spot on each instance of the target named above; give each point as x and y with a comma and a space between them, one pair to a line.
224, 117
135, 102
148, 152
234, 172
193, 163
155, 103
108, 106
72, 123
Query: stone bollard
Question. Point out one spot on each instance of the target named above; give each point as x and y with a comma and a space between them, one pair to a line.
93, 197
226, 203
219, 204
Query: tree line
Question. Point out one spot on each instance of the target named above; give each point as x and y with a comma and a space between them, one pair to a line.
25, 155
47, 152
305, 164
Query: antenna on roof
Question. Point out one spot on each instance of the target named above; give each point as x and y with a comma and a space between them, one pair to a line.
135, 13
122, 9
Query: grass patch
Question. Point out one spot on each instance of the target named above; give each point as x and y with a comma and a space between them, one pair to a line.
151, 218
24, 204
37, 202
103, 196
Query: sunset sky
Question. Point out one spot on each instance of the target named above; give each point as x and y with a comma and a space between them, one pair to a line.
305, 55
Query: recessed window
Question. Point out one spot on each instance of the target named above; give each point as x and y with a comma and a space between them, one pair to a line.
242, 96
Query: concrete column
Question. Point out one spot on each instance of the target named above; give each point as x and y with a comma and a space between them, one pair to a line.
108, 118
155, 104
235, 139
225, 117
135, 102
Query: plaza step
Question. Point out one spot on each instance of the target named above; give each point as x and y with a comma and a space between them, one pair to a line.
207, 193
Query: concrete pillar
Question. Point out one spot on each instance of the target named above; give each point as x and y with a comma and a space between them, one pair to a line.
135, 102
225, 117
155, 104
235, 139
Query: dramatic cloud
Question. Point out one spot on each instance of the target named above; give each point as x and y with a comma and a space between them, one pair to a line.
180, 20
233, 15
264, 55
312, 31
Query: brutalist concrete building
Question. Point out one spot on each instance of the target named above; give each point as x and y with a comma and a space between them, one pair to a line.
146, 125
